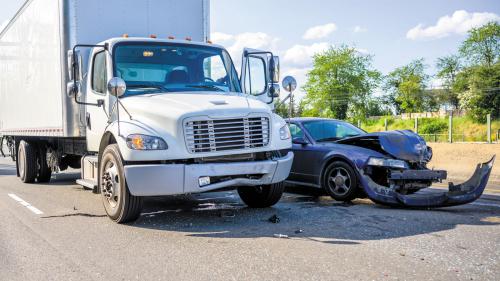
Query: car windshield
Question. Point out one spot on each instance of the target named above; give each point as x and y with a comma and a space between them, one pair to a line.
331, 130
166, 67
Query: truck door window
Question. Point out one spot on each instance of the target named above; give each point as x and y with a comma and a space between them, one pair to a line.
99, 75
255, 82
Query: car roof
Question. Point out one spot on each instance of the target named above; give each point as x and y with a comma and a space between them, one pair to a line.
303, 119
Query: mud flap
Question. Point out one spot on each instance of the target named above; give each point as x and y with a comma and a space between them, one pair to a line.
459, 194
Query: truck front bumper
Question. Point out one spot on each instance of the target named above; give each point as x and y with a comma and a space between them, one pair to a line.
171, 179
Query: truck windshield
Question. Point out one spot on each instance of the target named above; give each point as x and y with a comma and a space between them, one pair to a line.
166, 67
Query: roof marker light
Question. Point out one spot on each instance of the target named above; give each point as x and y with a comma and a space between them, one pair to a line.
171, 37
188, 39
152, 36
125, 35
210, 42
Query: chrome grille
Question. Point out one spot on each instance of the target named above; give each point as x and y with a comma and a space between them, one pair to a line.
226, 134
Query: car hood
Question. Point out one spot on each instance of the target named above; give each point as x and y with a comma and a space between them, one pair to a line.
404, 145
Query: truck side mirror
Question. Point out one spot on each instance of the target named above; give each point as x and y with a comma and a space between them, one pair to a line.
274, 69
117, 86
274, 90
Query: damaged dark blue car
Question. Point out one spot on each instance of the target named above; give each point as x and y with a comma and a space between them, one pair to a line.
389, 167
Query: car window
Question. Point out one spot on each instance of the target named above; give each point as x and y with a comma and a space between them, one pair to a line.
296, 131
331, 130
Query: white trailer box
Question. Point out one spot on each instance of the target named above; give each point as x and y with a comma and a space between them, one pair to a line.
34, 48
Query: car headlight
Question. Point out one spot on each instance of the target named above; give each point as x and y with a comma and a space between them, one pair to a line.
386, 162
144, 142
285, 132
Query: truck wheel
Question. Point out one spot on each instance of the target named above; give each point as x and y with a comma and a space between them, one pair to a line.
261, 196
26, 158
340, 181
44, 171
120, 205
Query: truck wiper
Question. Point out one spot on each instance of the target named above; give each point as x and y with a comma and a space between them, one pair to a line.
209, 87
146, 86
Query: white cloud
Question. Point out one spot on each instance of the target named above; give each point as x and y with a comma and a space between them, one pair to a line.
236, 43
320, 31
301, 55
362, 51
219, 37
358, 29
459, 23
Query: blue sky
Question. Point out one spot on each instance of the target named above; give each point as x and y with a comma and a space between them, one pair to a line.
380, 28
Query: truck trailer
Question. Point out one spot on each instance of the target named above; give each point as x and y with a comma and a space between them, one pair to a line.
135, 95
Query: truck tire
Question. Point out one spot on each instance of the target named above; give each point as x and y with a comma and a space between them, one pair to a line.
44, 171
120, 205
26, 158
261, 196
340, 181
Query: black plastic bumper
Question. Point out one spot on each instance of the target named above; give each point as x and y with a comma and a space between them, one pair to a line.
427, 175
458, 194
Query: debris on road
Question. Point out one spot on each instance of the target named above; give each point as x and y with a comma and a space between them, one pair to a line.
281, 236
274, 219
299, 231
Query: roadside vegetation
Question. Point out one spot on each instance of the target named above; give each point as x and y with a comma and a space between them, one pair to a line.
435, 129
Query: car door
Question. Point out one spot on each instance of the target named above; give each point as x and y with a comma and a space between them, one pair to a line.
97, 117
302, 167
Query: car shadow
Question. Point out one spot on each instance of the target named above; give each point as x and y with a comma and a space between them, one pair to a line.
311, 218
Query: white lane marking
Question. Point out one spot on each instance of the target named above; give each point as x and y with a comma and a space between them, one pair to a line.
25, 204
485, 204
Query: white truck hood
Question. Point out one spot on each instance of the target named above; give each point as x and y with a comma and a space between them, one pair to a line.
187, 104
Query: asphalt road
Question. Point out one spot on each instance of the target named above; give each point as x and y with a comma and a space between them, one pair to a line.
60, 232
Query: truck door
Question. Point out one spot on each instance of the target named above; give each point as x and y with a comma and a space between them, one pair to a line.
97, 117
259, 75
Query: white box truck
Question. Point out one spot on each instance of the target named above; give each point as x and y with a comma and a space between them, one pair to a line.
135, 94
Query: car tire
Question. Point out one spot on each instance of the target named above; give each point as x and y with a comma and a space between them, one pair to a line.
120, 205
340, 181
27, 165
44, 171
261, 196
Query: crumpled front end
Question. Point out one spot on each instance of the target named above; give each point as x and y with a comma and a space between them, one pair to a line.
395, 192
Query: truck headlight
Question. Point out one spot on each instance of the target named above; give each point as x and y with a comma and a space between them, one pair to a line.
386, 162
285, 132
144, 142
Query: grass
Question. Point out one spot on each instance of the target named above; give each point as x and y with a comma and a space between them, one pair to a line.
436, 129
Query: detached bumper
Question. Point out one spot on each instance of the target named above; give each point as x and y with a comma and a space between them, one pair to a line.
171, 179
458, 194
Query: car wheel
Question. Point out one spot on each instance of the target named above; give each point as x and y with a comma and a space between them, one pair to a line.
340, 181
120, 205
261, 196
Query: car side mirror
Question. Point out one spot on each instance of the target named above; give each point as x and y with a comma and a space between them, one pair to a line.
299, 140
117, 87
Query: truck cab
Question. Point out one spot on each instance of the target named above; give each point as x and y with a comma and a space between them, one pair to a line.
167, 117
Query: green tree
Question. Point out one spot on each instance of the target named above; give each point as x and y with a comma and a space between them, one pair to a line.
448, 68
482, 45
340, 82
406, 86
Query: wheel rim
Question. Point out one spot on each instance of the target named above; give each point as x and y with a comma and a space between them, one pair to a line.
110, 184
22, 161
339, 181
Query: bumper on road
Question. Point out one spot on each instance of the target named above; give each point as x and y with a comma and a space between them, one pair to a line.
171, 179
457, 194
